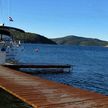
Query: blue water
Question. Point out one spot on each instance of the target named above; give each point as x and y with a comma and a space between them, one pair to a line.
90, 64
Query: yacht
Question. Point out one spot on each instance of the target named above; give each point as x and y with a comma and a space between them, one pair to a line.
8, 45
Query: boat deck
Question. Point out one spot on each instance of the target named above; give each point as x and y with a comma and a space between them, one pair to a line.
40, 93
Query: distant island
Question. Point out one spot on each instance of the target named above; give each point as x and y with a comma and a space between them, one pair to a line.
68, 40
82, 41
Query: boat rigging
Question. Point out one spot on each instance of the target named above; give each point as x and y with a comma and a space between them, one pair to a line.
5, 12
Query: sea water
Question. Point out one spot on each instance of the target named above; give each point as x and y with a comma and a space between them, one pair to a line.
90, 64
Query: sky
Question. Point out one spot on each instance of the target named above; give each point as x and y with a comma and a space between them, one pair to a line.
58, 18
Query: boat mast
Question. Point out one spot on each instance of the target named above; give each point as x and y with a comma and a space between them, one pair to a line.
5, 12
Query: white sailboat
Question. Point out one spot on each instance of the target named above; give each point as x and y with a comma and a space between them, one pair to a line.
8, 46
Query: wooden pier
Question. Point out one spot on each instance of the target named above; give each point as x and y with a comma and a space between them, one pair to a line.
36, 65
46, 68
40, 93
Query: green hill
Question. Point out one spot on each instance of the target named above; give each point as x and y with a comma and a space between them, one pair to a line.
75, 40
27, 37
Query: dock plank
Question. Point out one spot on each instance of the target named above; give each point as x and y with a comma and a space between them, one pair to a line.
42, 93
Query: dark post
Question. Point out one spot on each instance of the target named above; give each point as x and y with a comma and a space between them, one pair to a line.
1, 37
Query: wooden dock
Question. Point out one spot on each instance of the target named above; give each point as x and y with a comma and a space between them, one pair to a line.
36, 65
46, 68
40, 93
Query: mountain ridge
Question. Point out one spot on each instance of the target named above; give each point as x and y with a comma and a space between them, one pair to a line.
28, 37
78, 40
